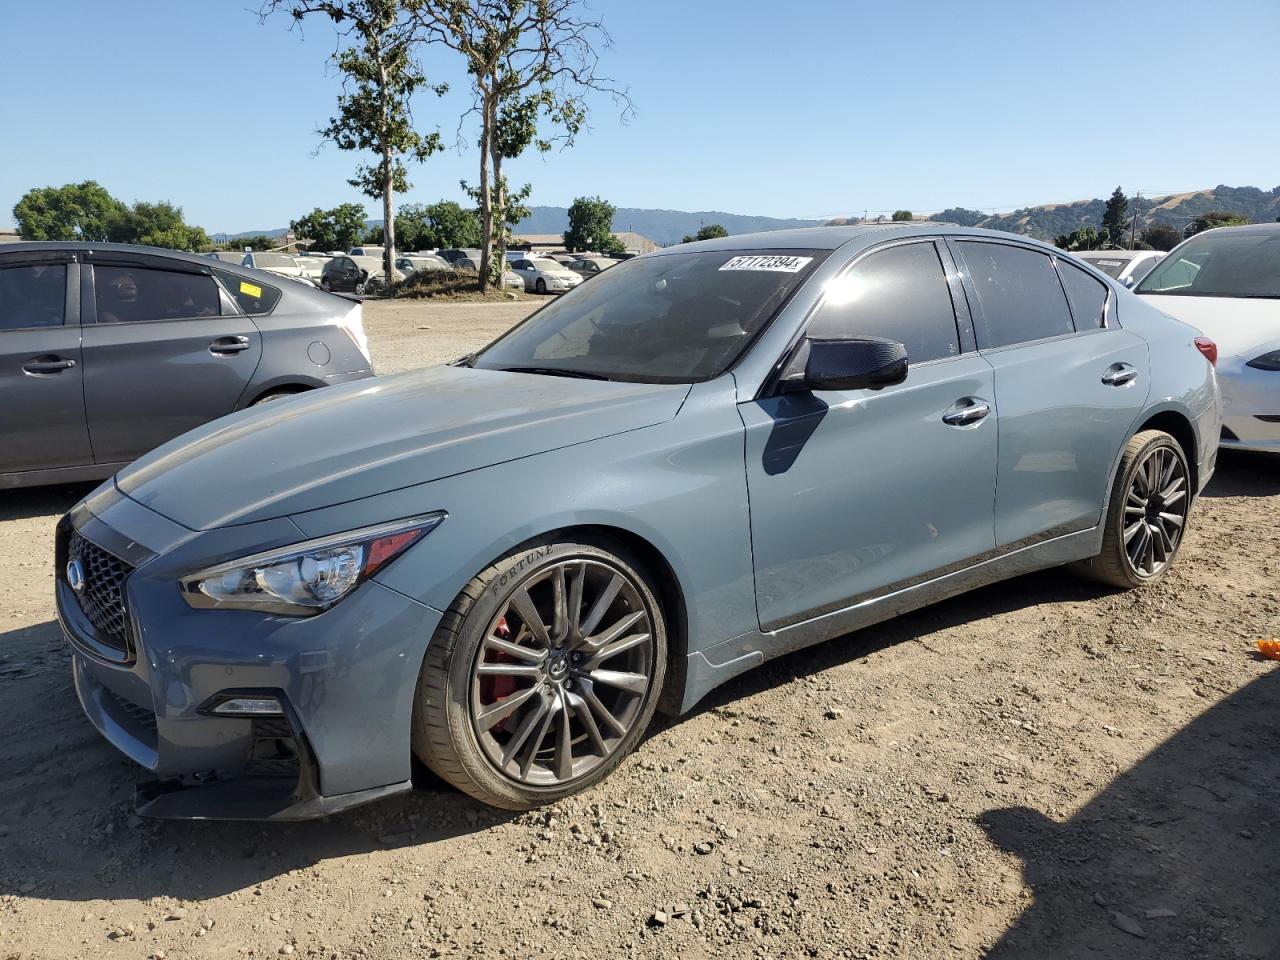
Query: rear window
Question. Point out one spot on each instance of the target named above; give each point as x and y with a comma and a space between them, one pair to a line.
1087, 295
1222, 262
254, 297
32, 295
129, 294
1111, 266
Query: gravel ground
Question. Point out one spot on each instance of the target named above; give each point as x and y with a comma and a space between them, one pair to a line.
1042, 768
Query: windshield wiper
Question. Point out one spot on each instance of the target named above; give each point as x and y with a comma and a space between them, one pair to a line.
555, 372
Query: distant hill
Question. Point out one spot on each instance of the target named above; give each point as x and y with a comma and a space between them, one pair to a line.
661, 226
1176, 209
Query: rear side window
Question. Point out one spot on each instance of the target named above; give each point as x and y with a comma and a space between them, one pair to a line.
255, 298
900, 293
1088, 296
1019, 293
131, 294
33, 295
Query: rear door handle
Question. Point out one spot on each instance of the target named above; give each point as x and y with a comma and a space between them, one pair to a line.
45, 366
965, 411
228, 346
1118, 374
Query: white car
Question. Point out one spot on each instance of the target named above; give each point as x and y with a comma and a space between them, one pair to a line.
1127, 266
281, 264
1226, 282
542, 275
312, 266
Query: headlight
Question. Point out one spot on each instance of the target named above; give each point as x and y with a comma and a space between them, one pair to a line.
1268, 361
306, 578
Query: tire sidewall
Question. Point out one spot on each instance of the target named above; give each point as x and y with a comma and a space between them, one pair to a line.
540, 285
507, 574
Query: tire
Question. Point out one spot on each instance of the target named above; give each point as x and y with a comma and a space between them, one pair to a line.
466, 682
1131, 556
540, 285
274, 395
361, 287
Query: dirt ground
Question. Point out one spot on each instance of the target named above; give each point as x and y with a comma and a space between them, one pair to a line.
1040, 769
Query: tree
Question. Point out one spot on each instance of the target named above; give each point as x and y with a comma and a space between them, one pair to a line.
340, 228
1161, 236
1082, 238
900, 216
1216, 218
77, 211
591, 226
518, 53
712, 231
257, 241
157, 225
959, 216
380, 77
1115, 219
448, 225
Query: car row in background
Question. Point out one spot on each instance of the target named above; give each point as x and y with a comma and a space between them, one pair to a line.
544, 275
108, 351
1226, 283
1127, 266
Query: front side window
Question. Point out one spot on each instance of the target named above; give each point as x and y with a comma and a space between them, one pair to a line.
131, 294
33, 295
1019, 293
1088, 296
1220, 263
900, 293
254, 297
673, 318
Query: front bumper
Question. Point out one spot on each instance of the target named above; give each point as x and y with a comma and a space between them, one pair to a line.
346, 678
1248, 395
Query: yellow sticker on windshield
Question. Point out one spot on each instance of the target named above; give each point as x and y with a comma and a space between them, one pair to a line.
250, 289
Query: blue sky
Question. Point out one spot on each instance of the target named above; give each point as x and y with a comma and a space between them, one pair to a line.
808, 109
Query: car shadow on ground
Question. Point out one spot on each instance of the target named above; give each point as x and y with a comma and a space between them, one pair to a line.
1184, 847
1242, 473
28, 502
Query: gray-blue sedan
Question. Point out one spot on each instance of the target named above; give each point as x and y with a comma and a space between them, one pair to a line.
704, 458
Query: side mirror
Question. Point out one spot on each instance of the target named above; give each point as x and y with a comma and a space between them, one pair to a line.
867, 363
1128, 282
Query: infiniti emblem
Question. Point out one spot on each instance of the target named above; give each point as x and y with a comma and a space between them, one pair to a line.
75, 574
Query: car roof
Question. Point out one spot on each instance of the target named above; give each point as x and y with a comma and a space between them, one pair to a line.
832, 238
37, 246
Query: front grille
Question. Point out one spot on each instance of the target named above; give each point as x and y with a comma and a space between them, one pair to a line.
139, 715
102, 599
1269, 417
273, 751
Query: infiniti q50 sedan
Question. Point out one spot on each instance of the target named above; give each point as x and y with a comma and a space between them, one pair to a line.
704, 458
107, 351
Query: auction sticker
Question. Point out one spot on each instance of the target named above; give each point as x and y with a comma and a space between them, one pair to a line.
251, 289
779, 264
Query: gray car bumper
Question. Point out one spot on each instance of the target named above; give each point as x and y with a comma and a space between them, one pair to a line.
345, 679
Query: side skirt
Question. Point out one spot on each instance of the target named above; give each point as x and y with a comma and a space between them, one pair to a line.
707, 669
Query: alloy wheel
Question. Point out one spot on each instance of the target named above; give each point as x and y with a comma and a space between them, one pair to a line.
563, 672
1155, 511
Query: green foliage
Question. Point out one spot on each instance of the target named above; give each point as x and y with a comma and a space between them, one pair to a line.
77, 211
448, 224
591, 226
1115, 219
1216, 218
712, 231
1161, 236
1082, 238
158, 225
259, 241
340, 228
900, 216
959, 216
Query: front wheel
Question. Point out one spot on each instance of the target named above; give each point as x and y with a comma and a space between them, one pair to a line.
542, 675
361, 286
541, 285
1147, 513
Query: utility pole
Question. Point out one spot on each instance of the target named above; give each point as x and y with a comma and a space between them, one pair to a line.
1133, 233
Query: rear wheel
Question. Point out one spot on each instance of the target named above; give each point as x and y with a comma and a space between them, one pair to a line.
274, 395
542, 675
1147, 514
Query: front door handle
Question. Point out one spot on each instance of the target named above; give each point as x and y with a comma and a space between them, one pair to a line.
47, 365
1118, 374
965, 411
228, 346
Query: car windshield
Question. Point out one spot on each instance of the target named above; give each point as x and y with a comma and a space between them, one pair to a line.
1220, 263
1108, 265
671, 318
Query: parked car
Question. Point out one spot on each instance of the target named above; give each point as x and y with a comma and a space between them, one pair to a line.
107, 351
351, 274
587, 267
281, 264
453, 254
227, 256
1127, 266
705, 458
417, 262
545, 276
312, 265
1226, 282
376, 252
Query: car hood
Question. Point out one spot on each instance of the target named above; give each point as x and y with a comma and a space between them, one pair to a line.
1237, 325
344, 443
